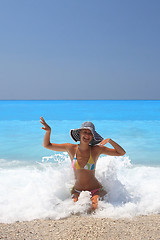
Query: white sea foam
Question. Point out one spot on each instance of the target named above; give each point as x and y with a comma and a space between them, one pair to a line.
42, 190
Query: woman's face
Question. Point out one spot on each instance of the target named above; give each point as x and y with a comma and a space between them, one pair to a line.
86, 135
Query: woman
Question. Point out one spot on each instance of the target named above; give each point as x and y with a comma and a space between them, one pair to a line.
84, 157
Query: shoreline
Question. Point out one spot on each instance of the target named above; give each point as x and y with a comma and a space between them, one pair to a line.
84, 227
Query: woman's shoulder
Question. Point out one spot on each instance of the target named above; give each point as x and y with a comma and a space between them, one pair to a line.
96, 149
71, 147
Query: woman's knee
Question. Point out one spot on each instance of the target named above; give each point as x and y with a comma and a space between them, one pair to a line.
75, 197
94, 200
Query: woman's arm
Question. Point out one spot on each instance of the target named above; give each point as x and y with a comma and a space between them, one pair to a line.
65, 147
117, 151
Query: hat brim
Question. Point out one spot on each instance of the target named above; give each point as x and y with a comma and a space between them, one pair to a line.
75, 134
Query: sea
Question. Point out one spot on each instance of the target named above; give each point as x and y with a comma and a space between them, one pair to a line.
35, 182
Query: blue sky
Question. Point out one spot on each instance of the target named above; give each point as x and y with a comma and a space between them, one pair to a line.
70, 49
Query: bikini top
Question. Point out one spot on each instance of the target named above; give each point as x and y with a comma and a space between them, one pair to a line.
89, 166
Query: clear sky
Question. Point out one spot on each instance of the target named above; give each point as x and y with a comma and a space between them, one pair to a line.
86, 49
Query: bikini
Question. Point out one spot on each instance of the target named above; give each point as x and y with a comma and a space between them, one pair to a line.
90, 165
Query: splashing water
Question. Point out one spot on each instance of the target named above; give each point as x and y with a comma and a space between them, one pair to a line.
42, 189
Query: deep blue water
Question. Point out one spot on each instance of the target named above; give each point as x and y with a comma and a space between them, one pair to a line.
81, 110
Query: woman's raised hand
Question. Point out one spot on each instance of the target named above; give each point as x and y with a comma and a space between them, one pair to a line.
104, 141
46, 126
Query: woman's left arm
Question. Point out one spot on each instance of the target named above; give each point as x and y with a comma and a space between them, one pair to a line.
117, 151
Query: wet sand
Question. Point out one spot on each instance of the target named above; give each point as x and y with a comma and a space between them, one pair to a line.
84, 227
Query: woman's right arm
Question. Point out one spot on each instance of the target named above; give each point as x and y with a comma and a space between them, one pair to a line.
65, 147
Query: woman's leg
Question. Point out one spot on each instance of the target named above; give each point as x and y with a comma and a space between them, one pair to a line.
75, 194
75, 197
102, 193
94, 200
95, 197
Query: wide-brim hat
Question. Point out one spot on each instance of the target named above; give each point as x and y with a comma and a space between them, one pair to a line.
75, 133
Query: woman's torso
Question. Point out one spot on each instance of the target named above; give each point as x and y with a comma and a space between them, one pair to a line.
84, 169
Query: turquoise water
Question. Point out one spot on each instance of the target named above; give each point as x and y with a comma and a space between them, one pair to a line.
133, 124
36, 182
